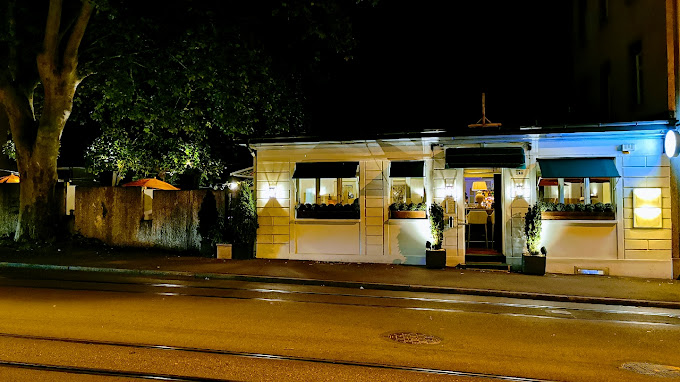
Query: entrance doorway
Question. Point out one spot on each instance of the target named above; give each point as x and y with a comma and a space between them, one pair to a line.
483, 217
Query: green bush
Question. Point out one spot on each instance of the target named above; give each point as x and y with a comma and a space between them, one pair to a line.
532, 229
437, 225
244, 216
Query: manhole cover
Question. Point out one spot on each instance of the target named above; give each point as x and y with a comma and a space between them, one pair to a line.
653, 369
413, 338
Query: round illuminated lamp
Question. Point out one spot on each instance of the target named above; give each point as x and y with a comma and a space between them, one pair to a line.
671, 143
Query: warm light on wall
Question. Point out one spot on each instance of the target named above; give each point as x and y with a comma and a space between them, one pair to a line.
449, 189
647, 204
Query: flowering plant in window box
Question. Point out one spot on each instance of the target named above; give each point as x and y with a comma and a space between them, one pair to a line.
580, 211
330, 211
408, 211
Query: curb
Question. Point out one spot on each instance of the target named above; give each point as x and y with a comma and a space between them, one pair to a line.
356, 285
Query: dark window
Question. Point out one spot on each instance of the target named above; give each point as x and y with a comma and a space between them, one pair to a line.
636, 72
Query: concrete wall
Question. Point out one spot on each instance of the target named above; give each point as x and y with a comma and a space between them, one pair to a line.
115, 215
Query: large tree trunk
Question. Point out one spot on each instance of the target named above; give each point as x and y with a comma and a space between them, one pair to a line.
39, 213
37, 142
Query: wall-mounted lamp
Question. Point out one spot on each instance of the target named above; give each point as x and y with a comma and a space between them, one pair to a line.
233, 186
519, 190
647, 204
671, 143
449, 189
272, 192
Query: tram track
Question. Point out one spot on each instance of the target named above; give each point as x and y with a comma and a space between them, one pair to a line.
657, 317
219, 352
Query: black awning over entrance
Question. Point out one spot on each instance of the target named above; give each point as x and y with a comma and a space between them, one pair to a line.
410, 169
485, 157
326, 170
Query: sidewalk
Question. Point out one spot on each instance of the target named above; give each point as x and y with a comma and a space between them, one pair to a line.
552, 287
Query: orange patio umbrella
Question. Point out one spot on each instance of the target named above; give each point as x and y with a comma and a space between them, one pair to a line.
11, 178
151, 183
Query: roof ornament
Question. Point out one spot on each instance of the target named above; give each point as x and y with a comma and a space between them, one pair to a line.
484, 122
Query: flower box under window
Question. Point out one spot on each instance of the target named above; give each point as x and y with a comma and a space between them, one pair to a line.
408, 214
578, 215
331, 211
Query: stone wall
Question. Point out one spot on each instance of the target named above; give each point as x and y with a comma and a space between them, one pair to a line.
9, 208
115, 215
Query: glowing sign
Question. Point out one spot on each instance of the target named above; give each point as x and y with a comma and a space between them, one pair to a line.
671, 143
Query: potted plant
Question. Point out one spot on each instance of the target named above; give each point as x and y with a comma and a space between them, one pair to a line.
580, 211
408, 211
533, 263
435, 256
243, 223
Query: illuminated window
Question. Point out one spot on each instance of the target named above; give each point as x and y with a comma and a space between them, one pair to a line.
576, 190
578, 185
327, 190
407, 182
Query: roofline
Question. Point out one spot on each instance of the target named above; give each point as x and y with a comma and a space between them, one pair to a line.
474, 132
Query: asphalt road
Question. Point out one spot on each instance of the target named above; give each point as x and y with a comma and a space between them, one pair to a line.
75, 326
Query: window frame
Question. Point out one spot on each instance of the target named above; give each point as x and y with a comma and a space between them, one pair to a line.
318, 212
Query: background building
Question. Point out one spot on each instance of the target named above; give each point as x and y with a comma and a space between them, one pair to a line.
625, 69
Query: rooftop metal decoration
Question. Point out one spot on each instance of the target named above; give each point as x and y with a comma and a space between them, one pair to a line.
484, 122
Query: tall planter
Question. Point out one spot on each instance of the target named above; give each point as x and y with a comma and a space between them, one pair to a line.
534, 262
435, 256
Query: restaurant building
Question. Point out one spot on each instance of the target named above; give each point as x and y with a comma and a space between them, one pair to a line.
607, 186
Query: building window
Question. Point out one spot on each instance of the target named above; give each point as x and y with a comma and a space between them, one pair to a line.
407, 187
327, 190
580, 187
576, 190
636, 72
408, 190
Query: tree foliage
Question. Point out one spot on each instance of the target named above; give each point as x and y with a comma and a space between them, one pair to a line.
209, 74
174, 80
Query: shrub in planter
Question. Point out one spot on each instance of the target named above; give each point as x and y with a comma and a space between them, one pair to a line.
598, 207
436, 256
534, 263
559, 207
580, 207
570, 207
608, 208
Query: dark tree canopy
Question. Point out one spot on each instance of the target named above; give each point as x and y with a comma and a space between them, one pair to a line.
170, 83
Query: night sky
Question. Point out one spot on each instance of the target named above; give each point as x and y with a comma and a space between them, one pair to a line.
424, 65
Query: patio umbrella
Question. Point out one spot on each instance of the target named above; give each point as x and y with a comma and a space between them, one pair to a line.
11, 178
151, 183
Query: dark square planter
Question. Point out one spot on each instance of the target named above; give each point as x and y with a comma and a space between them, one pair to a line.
435, 258
533, 265
242, 251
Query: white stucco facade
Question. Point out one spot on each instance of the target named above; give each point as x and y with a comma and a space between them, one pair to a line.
611, 244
